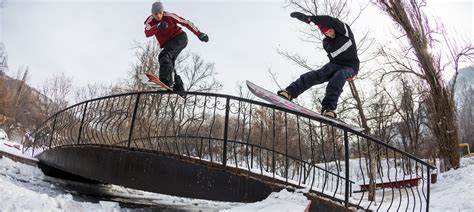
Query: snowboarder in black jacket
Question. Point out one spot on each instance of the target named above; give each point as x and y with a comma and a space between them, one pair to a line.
343, 63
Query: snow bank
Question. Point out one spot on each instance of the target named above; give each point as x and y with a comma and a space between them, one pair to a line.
17, 181
15, 198
277, 201
454, 189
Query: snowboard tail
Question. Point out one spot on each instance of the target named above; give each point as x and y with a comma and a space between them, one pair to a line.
281, 102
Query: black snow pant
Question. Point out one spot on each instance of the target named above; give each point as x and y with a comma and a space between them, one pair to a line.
335, 74
167, 60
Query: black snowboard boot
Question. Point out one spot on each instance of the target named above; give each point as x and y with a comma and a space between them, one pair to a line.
167, 81
178, 85
284, 94
329, 113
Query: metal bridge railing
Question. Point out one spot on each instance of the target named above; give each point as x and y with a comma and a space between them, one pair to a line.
335, 162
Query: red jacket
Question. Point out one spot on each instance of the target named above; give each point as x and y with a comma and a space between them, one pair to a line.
165, 35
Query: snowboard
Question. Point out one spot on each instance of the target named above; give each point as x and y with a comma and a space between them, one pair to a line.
153, 81
281, 102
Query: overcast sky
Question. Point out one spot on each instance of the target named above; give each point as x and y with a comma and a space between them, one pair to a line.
92, 41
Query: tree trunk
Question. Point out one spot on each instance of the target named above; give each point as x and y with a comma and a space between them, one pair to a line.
445, 128
355, 94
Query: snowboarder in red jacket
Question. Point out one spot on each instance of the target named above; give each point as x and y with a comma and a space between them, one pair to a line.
343, 63
172, 39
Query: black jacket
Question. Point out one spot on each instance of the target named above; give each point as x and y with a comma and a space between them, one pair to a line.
342, 49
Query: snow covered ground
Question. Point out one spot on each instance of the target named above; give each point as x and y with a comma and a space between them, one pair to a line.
454, 190
26, 188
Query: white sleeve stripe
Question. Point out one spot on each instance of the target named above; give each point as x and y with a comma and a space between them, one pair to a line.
147, 23
341, 49
347, 30
183, 21
174, 16
149, 19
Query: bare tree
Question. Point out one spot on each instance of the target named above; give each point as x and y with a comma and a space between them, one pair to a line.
57, 89
3, 59
199, 75
465, 97
91, 91
415, 57
410, 109
466, 120
383, 118
21, 87
19, 110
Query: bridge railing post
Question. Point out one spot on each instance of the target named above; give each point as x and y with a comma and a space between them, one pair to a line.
82, 123
226, 131
34, 144
286, 148
273, 141
132, 125
346, 157
428, 189
52, 131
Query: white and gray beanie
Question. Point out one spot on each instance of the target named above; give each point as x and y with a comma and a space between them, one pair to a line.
157, 7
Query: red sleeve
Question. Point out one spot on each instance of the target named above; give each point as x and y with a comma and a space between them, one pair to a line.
184, 22
150, 27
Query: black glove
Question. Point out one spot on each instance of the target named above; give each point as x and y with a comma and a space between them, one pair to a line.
162, 25
300, 16
203, 37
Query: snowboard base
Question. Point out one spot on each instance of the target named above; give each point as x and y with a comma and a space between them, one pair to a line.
281, 102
